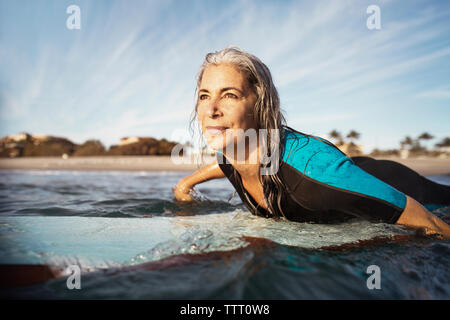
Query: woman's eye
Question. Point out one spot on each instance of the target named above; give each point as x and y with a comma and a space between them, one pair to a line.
230, 95
203, 97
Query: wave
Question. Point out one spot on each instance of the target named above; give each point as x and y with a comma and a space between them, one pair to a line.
121, 207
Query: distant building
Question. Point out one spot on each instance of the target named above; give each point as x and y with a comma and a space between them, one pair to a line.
404, 153
445, 152
24, 144
445, 149
40, 138
19, 137
129, 140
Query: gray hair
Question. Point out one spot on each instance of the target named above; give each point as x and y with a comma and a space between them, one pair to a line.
267, 112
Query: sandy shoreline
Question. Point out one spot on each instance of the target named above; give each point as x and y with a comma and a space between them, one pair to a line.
120, 163
424, 166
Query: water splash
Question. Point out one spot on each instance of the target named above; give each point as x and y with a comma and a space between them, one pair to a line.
223, 232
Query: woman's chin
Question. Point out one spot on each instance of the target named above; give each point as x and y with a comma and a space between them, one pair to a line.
216, 143
216, 146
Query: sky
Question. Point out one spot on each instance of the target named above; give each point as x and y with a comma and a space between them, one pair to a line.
130, 70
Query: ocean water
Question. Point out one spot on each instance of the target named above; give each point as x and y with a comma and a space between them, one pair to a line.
131, 240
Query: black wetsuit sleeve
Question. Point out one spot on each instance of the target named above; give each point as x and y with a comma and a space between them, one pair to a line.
340, 185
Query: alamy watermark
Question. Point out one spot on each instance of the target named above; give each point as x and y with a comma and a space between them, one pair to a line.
74, 20
74, 280
374, 20
374, 281
249, 147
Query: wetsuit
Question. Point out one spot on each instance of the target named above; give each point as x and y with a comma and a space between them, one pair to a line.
323, 185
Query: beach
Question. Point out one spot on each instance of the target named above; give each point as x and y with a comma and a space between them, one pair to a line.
424, 166
108, 163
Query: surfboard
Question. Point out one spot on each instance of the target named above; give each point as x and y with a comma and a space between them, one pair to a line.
96, 242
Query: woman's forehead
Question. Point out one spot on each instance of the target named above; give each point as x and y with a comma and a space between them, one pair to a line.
216, 77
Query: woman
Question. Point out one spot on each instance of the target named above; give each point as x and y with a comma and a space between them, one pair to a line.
308, 179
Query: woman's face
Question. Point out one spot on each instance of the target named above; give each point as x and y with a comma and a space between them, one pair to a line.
225, 102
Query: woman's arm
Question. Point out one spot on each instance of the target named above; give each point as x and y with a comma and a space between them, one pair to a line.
417, 217
185, 185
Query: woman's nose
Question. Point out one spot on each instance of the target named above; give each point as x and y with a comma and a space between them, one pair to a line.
214, 109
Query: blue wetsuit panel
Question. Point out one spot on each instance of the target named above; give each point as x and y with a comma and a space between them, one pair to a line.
328, 165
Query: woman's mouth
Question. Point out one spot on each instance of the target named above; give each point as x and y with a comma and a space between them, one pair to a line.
215, 130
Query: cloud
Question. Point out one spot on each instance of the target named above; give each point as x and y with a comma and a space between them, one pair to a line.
322, 118
434, 94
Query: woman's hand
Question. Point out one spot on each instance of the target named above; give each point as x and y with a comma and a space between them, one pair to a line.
182, 191
425, 223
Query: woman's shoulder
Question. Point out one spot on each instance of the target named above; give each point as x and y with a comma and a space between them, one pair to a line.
308, 153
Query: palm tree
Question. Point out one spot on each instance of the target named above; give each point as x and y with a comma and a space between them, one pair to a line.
353, 135
406, 142
336, 136
425, 136
444, 143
